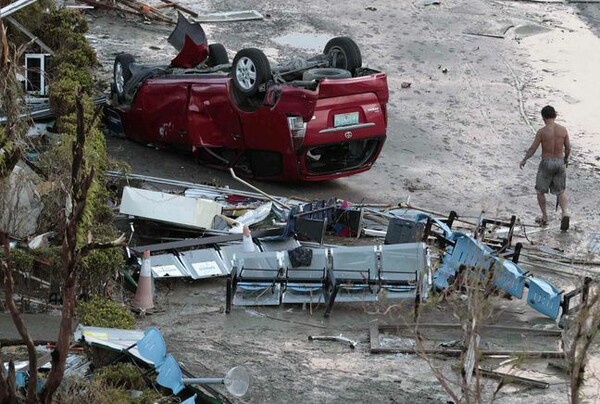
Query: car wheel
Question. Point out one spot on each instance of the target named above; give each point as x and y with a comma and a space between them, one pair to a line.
217, 55
250, 70
325, 73
343, 53
122, 73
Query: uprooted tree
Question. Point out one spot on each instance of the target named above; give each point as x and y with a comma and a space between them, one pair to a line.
78, 125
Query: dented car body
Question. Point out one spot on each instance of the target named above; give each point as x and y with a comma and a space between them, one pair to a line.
310, 123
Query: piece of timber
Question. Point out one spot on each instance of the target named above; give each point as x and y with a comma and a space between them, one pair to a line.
512, 379
196, 242
169, 3
376, 347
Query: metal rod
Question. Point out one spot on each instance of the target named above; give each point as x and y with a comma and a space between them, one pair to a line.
235, 177
203, 380
315, 211
409, 206
184, 184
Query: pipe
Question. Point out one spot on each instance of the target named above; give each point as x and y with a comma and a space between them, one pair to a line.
235, 177
183, 184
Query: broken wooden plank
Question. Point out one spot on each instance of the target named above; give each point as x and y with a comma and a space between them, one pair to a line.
531, 331
169, 3
97, 3
376, 347
513, 379
507, 378
30, 35
197, 242
147, 10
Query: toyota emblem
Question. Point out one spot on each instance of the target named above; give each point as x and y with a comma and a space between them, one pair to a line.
348, 135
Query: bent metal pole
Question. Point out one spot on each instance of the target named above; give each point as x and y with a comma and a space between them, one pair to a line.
235, 177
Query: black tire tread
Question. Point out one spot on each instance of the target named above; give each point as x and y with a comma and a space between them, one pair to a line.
217, 55
350, 48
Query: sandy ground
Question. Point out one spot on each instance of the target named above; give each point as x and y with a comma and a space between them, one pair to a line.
455, 140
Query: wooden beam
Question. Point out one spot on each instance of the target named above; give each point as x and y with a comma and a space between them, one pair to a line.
202, 241
30, 35
169, 3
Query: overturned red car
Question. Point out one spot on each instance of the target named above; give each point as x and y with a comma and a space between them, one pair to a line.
311, 119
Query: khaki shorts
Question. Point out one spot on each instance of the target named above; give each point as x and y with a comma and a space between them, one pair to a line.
551, 175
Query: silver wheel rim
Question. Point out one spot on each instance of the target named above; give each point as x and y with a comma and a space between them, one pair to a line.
119, 79
245, 73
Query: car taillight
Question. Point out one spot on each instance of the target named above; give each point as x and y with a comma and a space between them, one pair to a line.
385, 117
297, 129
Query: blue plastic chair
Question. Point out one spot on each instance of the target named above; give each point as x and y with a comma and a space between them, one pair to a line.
509, 277
544, 297
152, 347
170, 376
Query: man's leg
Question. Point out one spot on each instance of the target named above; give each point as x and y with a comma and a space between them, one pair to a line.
541, 198
562, 201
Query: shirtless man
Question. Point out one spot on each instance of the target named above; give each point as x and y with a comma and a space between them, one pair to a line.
551, 173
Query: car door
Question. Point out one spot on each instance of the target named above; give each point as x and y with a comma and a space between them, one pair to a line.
212, 120
164, 113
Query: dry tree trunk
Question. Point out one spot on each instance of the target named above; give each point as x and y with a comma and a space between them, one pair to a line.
17, 320
71, 256
12, 153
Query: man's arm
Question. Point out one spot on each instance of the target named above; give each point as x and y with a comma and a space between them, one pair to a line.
567, 149
532, 148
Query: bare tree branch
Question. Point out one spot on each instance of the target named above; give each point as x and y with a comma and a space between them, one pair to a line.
15, 315
89, 247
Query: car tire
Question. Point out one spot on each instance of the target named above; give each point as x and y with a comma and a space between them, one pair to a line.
343, 53
217, 55
122, 73
325, 73
250, 70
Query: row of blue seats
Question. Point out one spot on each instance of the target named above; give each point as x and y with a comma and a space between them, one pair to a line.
507, 276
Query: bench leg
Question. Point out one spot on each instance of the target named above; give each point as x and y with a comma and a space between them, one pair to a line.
229, 297
331, 300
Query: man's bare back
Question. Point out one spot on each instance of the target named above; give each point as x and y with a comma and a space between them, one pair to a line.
554, 139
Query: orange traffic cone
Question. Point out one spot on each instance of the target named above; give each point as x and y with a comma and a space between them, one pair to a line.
143, 296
